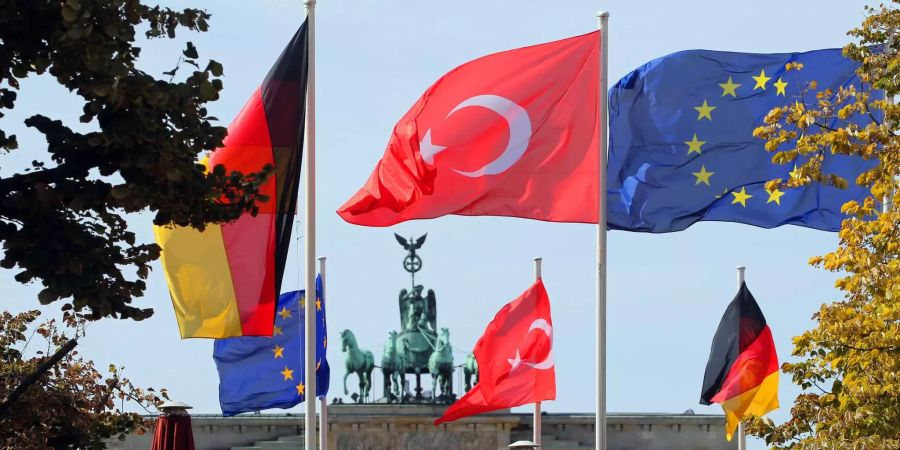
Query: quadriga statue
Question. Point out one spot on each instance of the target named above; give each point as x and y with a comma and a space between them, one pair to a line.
418, 319
417, 349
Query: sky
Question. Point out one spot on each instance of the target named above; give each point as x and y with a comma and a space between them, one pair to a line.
666, 293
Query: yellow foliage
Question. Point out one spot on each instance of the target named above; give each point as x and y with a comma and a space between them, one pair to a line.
849, 364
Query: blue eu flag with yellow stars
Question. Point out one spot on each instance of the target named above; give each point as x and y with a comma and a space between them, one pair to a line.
682, 149
258, 373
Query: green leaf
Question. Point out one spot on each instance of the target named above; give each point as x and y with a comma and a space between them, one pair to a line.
191, 51
76, 32
46, 296
207, 91
69, 14
119, 192
111, 30
215, 68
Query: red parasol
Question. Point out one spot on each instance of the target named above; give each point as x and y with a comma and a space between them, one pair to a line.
173, 428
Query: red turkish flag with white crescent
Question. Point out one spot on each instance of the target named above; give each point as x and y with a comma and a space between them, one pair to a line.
515, 134
515, 358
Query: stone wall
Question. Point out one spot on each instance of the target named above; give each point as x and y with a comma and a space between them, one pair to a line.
629, 432
408, 427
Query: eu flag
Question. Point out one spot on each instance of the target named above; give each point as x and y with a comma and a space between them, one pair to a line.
682, 148
267, 372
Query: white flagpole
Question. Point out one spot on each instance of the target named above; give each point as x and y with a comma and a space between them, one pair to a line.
309, 423
323, 401
600, 421
536, 437
742, 436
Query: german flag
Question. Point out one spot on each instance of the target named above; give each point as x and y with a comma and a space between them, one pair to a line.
742, 372
224, 281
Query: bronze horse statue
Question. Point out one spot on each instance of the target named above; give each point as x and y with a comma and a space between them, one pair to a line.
393, 368
470, 371
440, 365
360, 362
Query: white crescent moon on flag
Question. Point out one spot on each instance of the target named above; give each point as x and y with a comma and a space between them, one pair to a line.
547, 363
519, 134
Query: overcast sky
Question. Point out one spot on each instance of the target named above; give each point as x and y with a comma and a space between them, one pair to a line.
666, 292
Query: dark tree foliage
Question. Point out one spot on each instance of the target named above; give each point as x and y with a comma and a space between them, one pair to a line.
74, 404
62, 224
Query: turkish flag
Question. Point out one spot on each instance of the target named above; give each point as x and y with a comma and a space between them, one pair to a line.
515, 358
515, 134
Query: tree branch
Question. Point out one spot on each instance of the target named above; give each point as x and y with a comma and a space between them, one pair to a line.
34, 377
51, 175
820, 387
891, 349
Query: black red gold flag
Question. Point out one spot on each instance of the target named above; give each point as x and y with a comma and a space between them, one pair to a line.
742, 372
225, 280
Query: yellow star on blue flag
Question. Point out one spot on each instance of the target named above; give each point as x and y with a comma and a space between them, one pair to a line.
673, 163
257, 373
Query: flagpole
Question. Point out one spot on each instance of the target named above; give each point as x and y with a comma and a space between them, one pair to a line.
600, 420
742, 436
323, 401
310, 234
536, 437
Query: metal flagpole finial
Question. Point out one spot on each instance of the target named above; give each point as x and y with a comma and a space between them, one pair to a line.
602, 14
310, 3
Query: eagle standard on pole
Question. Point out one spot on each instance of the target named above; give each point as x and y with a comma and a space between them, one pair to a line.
600, 425
309, 371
